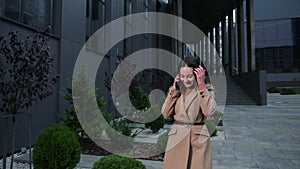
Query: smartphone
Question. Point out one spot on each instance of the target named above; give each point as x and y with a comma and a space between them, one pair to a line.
179, 84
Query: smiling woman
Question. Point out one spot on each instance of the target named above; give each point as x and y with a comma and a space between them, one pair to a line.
190, 101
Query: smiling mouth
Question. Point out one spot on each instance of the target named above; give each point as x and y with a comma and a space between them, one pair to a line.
188, 83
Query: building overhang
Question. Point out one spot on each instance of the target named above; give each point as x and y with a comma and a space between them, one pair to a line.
205, 14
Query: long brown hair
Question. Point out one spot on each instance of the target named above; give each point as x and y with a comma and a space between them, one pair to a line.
194, 62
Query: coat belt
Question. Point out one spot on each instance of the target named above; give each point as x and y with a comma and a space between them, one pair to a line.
188, 123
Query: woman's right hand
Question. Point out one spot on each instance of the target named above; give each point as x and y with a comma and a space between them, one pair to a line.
177, 79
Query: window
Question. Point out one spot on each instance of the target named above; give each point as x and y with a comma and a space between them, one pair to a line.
95, 16
146, 8
128, 28
276, 46
146, 11
34, 13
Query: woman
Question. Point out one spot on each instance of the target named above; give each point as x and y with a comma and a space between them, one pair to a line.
189, 101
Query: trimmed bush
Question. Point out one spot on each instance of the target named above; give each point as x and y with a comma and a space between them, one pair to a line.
162, 142
158, 123
273, 90
118, 162
284, 91
81, 86
57, 147
138, 98
287, 91
212, 122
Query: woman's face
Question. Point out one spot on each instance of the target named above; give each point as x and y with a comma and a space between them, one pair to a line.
187, 77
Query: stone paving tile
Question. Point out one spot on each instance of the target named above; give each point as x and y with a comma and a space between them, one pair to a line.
229, 162
247, 164
265, 164
259, 153
283, 154
230, 167
296, 163
224, 156
227, 150
284, 164
216, 143
215, 162
87, 161
152, 164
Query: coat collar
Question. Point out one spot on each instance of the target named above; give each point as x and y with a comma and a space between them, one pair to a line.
190, 97
187, 103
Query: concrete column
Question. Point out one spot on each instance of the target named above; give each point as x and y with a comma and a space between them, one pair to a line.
198, 49
217, 46
207, 45
212, 53
230, 43
225, 45
180, 32
240, 36
250, 36
234, 47
202, 48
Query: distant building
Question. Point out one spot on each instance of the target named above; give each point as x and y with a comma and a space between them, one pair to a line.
277, 41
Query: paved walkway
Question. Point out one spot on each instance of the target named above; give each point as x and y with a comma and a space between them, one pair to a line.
264, 137
261, 136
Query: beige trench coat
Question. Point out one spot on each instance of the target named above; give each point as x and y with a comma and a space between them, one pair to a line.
188, 145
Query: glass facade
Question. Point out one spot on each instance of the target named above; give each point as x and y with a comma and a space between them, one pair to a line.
277, 45
34, 13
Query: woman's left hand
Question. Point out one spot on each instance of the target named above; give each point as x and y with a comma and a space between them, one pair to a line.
200, 75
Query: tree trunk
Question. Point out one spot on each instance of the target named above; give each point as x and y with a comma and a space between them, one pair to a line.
13, 141
4, 134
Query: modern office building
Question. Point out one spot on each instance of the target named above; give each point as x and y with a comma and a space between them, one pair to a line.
277, 40
230, 48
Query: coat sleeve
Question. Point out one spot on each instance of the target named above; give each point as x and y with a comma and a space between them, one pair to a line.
207, 100
168, 108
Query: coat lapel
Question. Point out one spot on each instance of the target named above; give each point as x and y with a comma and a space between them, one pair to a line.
183, 111
190, 98
191, 111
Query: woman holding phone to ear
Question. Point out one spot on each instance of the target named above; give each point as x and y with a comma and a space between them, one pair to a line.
190, 100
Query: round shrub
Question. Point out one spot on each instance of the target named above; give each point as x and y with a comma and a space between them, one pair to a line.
57, 147
118, 162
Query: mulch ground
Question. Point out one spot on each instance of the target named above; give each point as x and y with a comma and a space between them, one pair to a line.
90, 148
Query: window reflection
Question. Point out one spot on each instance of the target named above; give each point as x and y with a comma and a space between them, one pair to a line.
12, 9
277, 47
34, 13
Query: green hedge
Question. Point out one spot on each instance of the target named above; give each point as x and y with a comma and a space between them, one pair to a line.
284, 91
158, 123
118, 162
57, 147
273, 90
